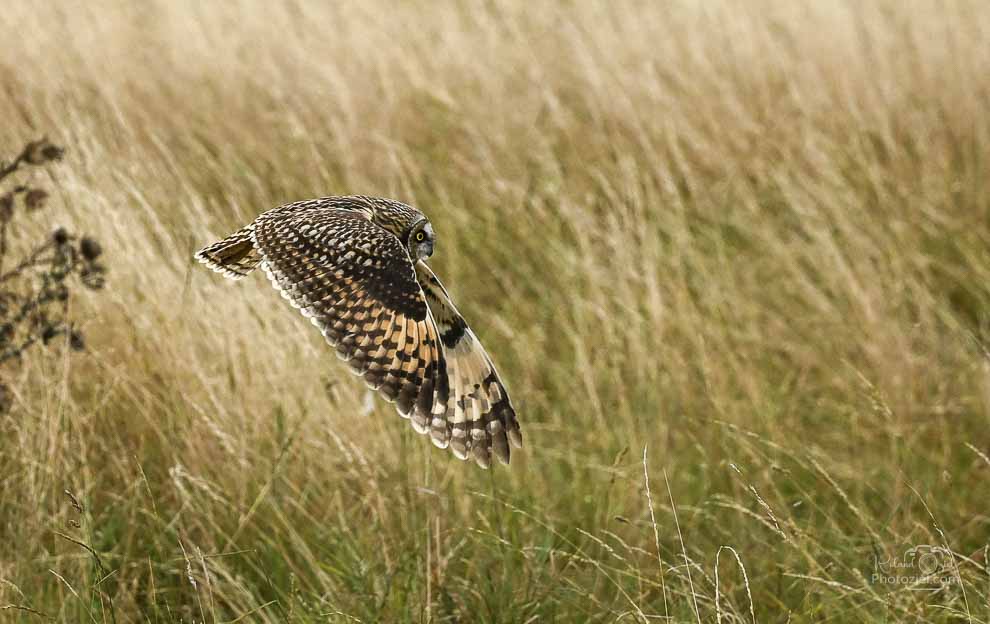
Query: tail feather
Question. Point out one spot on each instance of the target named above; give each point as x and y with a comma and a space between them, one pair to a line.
234, 256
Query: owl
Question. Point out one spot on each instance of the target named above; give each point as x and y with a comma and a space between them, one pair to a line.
356, 268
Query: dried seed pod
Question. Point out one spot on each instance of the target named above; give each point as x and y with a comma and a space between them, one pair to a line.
93, 275
35, 199
76, 342
40, 152
48, 332
89, 248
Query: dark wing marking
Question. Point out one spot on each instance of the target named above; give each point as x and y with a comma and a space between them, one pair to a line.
356, 283
476, 416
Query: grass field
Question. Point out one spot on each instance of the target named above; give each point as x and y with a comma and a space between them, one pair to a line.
731, 258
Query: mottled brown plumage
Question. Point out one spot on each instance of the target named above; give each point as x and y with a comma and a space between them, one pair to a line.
355, 267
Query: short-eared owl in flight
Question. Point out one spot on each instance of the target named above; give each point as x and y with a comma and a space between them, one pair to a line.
355, 266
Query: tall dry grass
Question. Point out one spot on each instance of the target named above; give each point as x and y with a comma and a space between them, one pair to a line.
751, 238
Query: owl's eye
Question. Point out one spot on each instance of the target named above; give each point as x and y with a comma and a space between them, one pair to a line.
420, 236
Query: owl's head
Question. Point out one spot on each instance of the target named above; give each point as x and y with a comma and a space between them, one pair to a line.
407, 224
420, 240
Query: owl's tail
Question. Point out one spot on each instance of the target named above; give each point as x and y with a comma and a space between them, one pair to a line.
234, 256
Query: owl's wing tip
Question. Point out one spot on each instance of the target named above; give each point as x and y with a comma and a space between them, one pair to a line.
482, 456
515, 436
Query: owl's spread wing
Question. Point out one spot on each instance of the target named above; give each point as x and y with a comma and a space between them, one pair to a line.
476, 416
392, 322
356, 283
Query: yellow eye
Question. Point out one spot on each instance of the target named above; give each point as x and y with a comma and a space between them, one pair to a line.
420, 236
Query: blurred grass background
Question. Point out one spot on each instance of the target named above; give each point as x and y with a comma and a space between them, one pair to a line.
751, 238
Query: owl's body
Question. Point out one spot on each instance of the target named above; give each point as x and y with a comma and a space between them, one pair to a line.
355, 267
